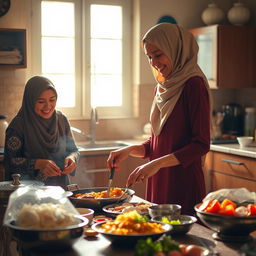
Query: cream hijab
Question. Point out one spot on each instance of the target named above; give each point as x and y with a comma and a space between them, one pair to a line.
181, 48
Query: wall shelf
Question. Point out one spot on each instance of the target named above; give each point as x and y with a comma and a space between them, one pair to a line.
13, 48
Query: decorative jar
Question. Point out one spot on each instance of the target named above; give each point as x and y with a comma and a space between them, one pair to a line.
212, 14
239, 14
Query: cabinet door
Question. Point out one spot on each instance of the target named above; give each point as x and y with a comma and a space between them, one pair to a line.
227, 55
229, 171
222, 180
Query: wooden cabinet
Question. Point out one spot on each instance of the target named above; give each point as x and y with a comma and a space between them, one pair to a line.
92, 171
227, 55
229, 171
13, 52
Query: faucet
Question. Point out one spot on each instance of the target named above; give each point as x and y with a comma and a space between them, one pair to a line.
93, 122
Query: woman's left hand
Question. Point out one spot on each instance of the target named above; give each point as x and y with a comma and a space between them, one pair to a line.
70, 165
142, 173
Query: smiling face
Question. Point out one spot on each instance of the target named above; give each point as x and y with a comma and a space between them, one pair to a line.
46, 103
158, 60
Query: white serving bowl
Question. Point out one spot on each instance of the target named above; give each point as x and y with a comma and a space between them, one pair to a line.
244, 141
86, 212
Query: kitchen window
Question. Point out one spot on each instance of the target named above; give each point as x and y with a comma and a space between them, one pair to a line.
84, 47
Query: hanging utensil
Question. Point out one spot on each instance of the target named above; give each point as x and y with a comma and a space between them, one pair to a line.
111, 175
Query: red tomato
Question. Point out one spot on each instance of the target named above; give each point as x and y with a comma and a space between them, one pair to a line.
183, 248
252, 209
213, 207
227, 202
193, 250
174, 253
229, 210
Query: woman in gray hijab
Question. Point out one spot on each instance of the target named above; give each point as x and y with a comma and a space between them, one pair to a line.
39, 144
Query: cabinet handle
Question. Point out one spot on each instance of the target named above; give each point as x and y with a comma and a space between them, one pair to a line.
232, 162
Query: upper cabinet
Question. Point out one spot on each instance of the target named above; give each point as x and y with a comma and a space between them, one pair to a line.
13, 48
227, 55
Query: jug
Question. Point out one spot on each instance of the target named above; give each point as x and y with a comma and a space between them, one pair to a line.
3, 126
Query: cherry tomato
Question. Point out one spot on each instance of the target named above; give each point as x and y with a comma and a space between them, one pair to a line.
183, 248
193, 250
174, 253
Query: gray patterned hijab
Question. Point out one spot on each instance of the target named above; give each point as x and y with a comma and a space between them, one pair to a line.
42, 137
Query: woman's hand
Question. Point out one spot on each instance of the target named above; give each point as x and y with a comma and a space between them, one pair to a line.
117, 156
143, 172
47, 167
69, 164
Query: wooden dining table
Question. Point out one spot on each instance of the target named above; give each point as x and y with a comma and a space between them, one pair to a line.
99, 246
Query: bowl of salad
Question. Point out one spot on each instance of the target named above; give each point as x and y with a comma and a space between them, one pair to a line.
180, 225
231, 221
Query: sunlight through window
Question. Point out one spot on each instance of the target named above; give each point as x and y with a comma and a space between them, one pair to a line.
106, 55
58, 49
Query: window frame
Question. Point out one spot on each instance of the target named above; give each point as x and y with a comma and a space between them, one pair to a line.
82, 58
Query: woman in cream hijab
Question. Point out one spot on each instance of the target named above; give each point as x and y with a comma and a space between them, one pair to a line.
180, 121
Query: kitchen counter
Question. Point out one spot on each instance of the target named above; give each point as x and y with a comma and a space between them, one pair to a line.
224, 148
99, 246
235, 149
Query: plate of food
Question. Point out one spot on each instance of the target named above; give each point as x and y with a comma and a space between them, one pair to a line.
96, 197
115, 209
129, 227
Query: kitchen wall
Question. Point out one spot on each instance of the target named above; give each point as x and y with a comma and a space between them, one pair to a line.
146, 14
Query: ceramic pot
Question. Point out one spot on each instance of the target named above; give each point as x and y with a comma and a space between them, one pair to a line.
212, 14
238, 14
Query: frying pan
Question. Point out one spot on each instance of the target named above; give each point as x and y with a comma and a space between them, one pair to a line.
98, 203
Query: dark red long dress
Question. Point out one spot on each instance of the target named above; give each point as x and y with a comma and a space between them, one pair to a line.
186, 134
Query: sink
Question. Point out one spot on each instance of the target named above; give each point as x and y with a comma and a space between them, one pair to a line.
101, 145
